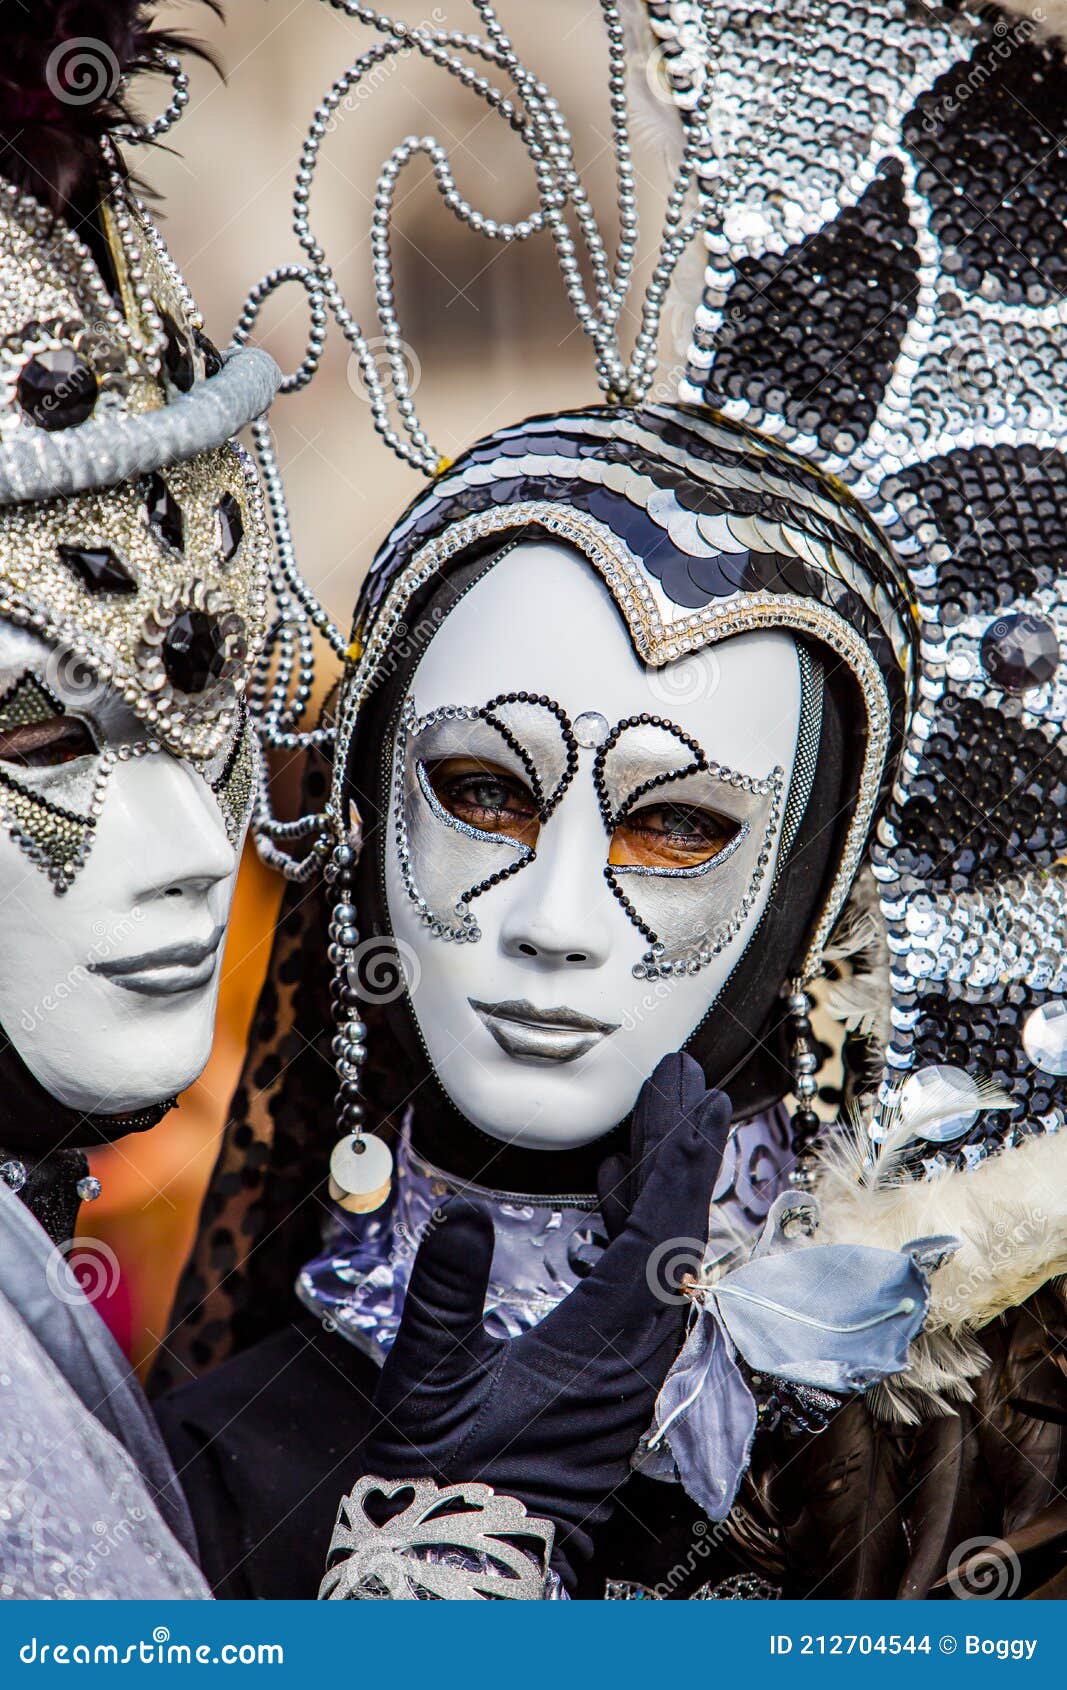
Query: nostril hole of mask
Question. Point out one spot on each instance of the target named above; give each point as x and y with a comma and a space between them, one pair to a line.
527, 950
576, 956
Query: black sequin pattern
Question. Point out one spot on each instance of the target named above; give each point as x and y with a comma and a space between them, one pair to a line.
983, 1035
993, 170
992, 798
1000, 515
813, 335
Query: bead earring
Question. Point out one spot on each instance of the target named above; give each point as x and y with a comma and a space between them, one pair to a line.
361, 1163
803, 1062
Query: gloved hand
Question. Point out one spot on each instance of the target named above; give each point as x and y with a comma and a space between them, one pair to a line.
553, 1416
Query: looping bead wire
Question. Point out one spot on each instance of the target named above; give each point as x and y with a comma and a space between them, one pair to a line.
141, 134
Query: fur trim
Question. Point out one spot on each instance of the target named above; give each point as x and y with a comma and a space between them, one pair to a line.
1010, 1216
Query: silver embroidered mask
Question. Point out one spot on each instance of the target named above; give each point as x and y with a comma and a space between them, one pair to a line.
108, 992
579, 968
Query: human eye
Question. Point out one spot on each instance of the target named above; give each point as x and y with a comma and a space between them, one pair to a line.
486, 797
670, 836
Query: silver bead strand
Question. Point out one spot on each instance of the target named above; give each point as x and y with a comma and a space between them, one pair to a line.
151, 349
257, 297
548, 145
625, 184
289, 586
139, 134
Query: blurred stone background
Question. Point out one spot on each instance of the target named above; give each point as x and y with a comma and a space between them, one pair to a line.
491, 339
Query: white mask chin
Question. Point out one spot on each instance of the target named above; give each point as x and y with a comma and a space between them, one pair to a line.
108, 990
525, 992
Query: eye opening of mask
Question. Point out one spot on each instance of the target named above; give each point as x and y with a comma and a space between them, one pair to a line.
664, 834
692, 836
36, 729
46, 744
484, 796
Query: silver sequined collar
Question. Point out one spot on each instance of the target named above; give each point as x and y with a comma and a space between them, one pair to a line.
544, 1245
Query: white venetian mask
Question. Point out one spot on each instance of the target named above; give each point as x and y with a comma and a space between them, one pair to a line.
580, 846
117, 868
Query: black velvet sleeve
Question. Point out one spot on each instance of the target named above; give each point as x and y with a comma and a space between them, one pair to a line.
265, 1447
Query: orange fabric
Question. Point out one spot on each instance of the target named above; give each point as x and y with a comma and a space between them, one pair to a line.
153, 1182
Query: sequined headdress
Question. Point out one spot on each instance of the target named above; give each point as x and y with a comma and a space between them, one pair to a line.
878, 186
885, 296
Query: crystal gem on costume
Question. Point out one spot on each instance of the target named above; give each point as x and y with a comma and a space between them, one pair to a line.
13, 1173
922, 1085
209, 352
164, 513
1020, 651
231, 528
1045, 1036
177, 354
98, 568
57, 389
591, 729
194, 650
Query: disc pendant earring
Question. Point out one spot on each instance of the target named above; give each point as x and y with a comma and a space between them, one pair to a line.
361, 1173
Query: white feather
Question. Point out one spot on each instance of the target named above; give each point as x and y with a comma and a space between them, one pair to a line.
1010, 1217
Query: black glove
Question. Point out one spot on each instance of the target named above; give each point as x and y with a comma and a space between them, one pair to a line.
553, 1416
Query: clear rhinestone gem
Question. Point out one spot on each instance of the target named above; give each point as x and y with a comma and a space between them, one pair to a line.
13, 1173
1045, 1036
591, 729
936, 1099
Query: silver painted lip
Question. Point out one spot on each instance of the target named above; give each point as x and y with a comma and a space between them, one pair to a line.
158, 974
530, 1034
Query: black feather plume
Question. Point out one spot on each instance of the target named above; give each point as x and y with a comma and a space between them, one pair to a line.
64, 69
